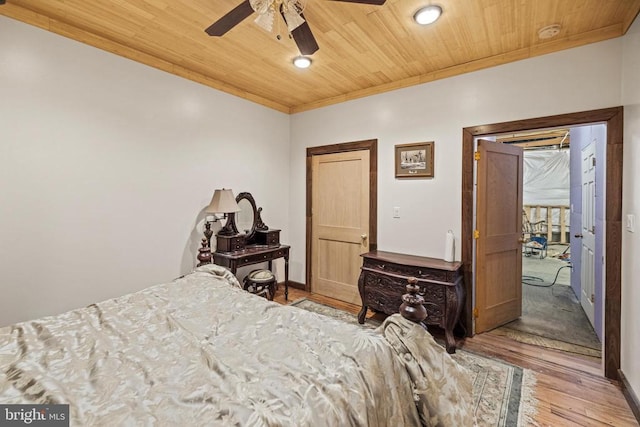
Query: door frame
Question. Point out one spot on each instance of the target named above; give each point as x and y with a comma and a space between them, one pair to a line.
372, 146
613, 117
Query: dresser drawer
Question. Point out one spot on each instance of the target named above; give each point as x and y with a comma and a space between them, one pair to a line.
411, 271
383, 293
268, 237
433, 293
255, 258
435, 314
229, 243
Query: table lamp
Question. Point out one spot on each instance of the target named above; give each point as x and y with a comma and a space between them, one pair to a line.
222, 202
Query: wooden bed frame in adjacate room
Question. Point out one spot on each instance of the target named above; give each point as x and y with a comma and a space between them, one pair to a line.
202, 351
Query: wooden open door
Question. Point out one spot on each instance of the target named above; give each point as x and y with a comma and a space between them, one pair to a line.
340, 222
498, 235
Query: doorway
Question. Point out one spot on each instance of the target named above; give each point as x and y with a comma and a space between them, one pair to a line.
340, 226
556, 201
612, 117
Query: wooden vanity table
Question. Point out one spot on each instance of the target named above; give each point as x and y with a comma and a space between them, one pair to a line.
383, 281
255, 254
247, 240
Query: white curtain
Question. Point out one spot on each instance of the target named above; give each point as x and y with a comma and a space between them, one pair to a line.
546, 178
546, 181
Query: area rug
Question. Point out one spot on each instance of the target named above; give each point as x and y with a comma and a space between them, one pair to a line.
502, 393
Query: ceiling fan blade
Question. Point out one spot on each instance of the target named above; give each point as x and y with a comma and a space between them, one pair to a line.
374, 2
304, 38
231, 19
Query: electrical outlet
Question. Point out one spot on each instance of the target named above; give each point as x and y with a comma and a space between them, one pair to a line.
396, 212
631, 223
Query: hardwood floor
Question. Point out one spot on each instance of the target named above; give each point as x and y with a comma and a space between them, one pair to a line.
571, 389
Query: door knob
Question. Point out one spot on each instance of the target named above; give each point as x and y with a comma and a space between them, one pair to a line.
579, 236
522, 240
363, 236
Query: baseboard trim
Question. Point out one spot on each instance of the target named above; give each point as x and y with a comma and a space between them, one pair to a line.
629, 394
293, 284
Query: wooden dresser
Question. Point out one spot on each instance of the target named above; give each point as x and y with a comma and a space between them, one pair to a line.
383, 281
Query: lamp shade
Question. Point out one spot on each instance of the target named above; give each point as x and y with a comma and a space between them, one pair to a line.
223, 201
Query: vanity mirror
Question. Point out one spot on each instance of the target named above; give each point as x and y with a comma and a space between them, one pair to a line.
244, 221
247, 227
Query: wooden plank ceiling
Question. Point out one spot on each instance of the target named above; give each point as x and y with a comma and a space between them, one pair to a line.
364, 49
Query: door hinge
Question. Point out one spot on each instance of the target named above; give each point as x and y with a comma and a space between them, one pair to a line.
476, 234
593, 161
593, 298
476, 155
475, 312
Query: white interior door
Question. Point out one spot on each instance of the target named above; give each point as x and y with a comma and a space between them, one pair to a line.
587, 273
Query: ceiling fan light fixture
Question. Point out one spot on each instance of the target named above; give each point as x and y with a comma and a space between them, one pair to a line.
289, 9
265, 21
293, 20
427, 15
302, 62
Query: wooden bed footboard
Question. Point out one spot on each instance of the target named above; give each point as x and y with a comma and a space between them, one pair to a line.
412, 307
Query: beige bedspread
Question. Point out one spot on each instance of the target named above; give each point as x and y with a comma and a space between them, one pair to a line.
200, 351
442, 387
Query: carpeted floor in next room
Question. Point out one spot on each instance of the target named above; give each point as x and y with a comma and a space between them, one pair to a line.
551, 313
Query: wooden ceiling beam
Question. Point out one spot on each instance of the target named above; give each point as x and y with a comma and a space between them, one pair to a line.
552, 142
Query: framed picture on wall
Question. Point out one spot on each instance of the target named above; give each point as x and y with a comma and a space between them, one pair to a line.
414, 160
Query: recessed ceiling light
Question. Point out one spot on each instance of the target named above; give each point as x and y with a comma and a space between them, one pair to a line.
549, 31
302, 62
427, 15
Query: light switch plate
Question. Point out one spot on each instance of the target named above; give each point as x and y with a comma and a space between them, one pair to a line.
396, 212
631, 223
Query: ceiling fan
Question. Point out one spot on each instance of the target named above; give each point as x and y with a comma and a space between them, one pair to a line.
291, 12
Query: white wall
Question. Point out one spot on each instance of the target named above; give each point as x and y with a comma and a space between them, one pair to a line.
631, 205
579, 79
106, 166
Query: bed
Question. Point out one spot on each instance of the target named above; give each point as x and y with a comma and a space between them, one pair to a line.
201, 351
